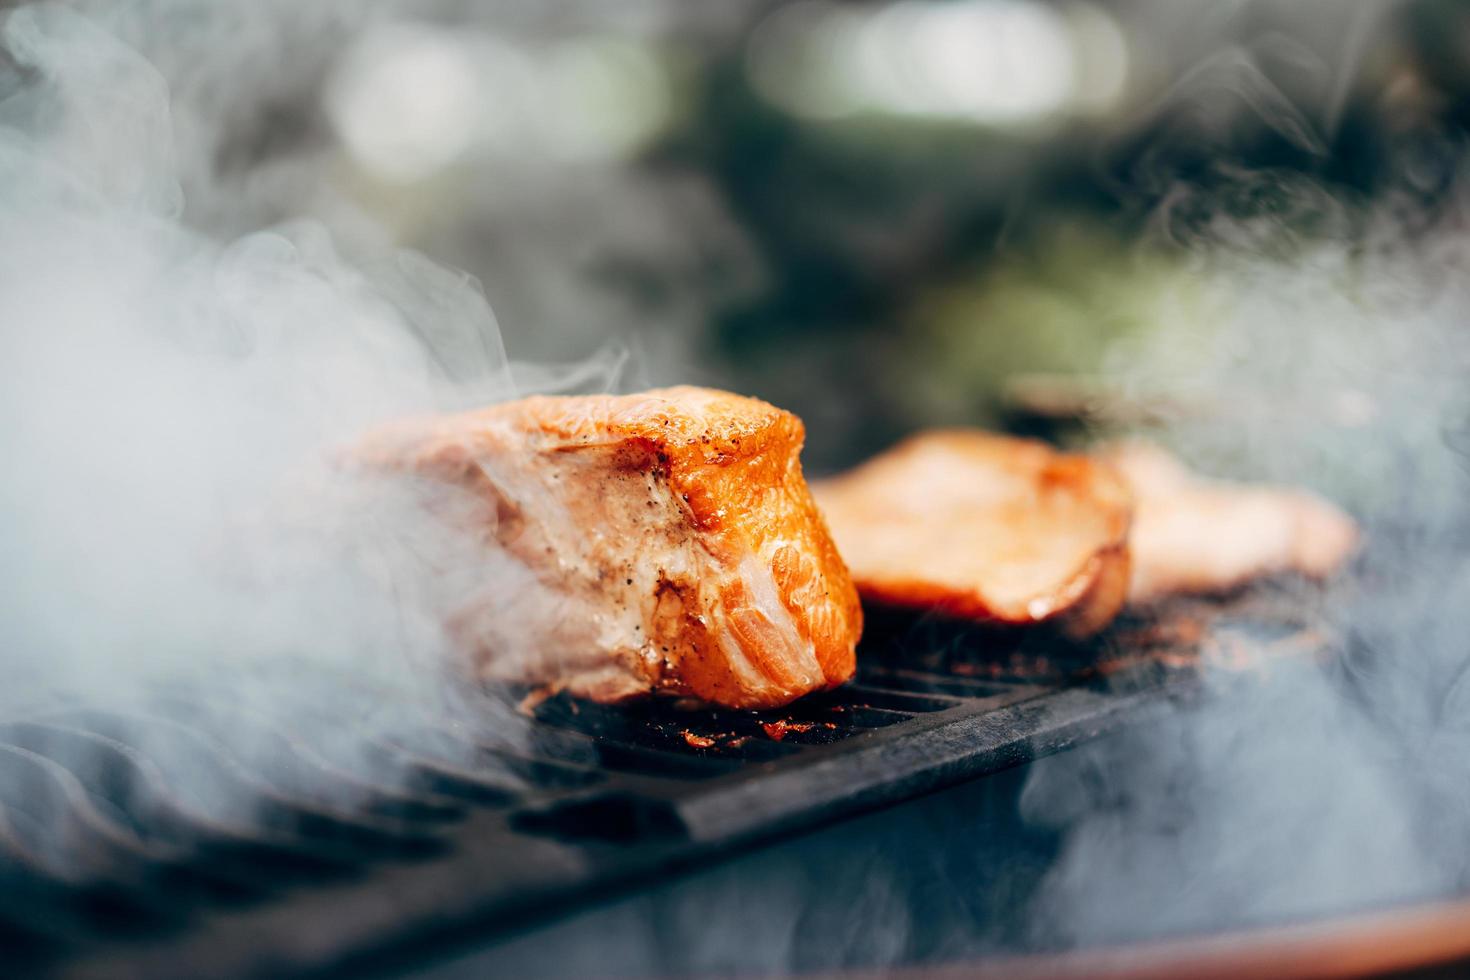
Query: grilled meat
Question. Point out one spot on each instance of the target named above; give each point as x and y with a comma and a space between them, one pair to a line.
1192, 535
663, 543
985, 527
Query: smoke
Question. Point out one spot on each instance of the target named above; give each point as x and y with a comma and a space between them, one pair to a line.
1298, 789
181, 359
173, 399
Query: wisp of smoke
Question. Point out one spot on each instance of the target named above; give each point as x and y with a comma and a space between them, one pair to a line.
173, 407
1301, 789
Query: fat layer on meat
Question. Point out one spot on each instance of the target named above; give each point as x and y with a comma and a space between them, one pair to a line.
1192, 535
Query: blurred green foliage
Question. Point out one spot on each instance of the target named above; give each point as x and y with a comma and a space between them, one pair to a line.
1055, 308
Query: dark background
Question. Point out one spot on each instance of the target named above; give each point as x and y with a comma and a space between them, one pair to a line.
876, 220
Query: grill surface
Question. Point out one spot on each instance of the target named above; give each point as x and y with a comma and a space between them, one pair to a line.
110, 866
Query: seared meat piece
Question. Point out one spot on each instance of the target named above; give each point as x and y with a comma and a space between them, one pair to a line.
660, 543
987, 528
1192, 535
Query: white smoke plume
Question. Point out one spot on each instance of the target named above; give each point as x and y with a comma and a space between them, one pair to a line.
173, 400
1298, 790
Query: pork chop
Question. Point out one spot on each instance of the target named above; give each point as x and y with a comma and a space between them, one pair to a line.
659, 543
1192, 535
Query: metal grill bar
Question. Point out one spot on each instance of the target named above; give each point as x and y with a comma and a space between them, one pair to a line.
138, 843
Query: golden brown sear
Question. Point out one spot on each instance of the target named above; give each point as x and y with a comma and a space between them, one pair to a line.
657, 543
985, 527
1192, 535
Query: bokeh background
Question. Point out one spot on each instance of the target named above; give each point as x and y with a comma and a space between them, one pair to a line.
1239, 225
880, 215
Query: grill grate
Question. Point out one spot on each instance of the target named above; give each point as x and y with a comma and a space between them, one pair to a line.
111, 864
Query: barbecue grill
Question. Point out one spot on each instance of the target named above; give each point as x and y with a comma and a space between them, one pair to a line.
591, 799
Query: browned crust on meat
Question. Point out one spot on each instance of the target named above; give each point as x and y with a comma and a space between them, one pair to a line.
732, 464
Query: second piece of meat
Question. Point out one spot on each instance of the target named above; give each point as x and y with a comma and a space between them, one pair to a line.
985, 527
